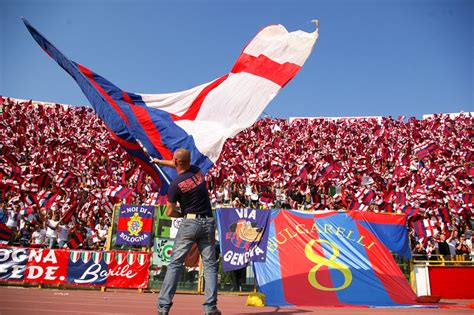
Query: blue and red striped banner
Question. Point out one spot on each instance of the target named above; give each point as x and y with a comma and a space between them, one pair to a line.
334, 259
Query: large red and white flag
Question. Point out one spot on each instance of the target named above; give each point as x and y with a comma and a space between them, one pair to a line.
199, 119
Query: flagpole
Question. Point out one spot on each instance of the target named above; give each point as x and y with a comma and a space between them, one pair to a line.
111, 228
151, 161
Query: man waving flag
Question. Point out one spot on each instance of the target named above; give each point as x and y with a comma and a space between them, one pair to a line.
199, 119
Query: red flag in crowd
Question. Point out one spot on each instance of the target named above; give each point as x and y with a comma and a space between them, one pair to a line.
76, 239
5, 232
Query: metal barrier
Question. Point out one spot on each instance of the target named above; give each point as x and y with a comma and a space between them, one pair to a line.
442, 260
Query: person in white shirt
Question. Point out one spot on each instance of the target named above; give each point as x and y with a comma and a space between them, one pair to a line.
277, 191
469, 244
12, 222
104, 224
100, 235
226, 194
63, 231
220, 195
248, 193
432, 249
12, 218
51, 230
254, 198
38, 237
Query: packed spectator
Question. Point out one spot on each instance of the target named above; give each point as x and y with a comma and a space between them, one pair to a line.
421, 168
60, 169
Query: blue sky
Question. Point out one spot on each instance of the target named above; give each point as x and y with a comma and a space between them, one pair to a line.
373, 57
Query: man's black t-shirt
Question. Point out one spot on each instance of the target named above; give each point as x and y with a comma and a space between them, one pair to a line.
443, 248
190, 190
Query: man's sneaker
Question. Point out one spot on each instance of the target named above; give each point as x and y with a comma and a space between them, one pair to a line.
213, 312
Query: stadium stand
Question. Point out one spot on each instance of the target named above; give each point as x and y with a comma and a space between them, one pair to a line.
58, 164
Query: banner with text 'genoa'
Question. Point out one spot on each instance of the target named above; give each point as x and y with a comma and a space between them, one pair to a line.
243, 236
334, 259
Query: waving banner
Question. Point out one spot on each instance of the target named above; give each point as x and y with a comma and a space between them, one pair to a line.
134, 225
201, 118
243, 236
334, 258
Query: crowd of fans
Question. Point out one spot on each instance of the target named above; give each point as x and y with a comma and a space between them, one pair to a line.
421, 168
59, 165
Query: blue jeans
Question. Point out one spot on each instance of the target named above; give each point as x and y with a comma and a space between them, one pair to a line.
202, 232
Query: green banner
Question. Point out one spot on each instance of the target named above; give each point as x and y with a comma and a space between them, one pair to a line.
162, 222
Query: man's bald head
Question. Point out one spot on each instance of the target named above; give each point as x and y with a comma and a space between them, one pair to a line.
182, 158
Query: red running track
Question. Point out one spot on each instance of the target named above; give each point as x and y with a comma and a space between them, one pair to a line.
31, 301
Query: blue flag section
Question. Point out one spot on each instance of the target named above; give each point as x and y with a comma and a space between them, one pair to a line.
115, 108
334, 259
388, 228
243, 236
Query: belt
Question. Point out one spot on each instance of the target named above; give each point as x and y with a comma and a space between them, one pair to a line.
197, 216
